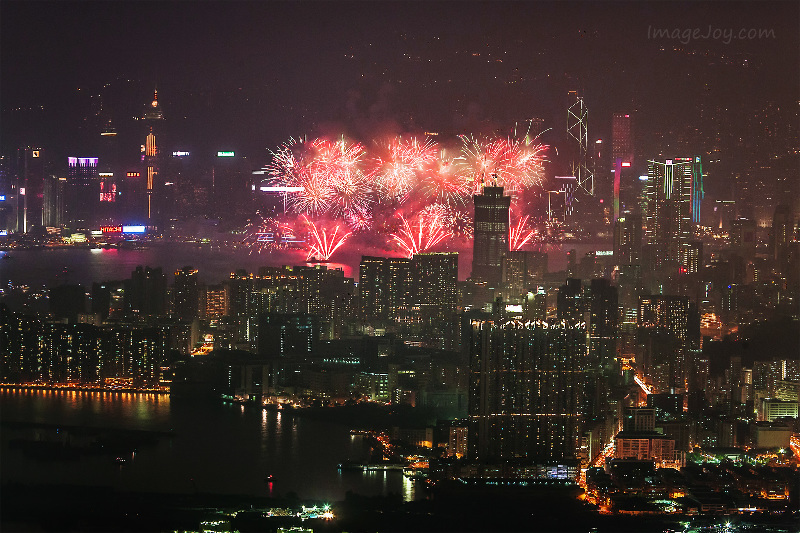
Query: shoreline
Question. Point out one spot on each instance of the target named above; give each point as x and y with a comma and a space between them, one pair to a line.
67, 388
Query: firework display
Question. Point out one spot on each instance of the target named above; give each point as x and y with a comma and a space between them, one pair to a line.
323, 241
520, 234
413, 192
425, 231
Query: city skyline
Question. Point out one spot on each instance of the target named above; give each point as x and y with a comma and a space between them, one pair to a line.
443, 265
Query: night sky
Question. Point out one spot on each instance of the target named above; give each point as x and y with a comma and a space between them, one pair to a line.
246, 75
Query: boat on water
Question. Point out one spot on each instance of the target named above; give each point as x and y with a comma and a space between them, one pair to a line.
269, 479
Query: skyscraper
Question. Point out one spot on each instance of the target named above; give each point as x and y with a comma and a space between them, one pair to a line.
622, 163
372, 287
672, 200
186, 293
82, 192
669, 326
30, 188
152, 118
435, 278
526, 388
490, 241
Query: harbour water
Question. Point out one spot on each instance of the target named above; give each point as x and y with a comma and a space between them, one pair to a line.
47, 267
208, 448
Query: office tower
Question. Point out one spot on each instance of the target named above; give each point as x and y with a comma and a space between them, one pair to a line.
372, 287
186, 293
82, 193
669, 326
55, 190
435, 279
671, 203
521, 270
624, 190
146, 292
490, 240
8, 196
231, 186
153, 118
578, 143
628, 240
526, 388
30, 188
570, 301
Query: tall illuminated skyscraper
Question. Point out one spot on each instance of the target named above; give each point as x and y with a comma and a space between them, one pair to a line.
622, 163
674, 192
82, 192
490, 241
153, 116
30, 188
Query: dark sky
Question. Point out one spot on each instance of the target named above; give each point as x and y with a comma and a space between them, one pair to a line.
246, 75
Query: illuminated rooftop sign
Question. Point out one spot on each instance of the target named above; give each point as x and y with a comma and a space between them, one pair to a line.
180, 154
82, 161
111, 229
604, 252
226, 154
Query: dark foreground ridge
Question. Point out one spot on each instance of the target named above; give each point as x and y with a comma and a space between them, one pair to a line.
65, 508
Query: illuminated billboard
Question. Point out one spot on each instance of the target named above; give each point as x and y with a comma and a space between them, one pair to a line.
134, 229
226, 154
111, 229
180, 154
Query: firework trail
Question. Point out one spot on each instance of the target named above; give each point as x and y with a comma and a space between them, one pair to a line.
420, 235
323, 242
519, 234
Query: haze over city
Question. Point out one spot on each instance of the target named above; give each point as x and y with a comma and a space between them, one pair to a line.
524, 257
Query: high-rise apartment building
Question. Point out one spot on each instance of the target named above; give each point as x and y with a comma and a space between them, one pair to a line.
406, 289
373, 283
526, 388
670, 327
435, 279
490, 240
186, 293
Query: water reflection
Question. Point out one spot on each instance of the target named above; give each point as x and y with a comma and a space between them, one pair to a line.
222, 448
